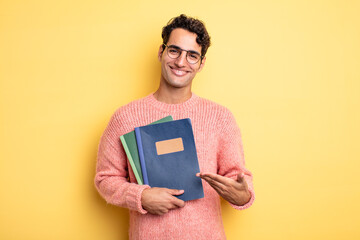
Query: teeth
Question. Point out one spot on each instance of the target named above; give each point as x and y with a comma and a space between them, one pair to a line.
179, 72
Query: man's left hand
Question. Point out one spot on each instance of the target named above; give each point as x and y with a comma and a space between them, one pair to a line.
234, 191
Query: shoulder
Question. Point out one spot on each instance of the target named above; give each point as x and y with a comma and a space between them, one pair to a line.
219, 116
126, 117
214, 108
214, 115
131, 107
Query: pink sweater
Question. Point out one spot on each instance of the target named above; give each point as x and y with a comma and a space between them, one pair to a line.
219, 149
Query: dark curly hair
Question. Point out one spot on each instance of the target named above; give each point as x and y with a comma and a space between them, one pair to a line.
192, 25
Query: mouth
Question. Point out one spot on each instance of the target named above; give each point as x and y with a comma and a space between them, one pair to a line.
178, 72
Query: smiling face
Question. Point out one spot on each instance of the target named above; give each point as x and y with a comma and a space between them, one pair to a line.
178, 73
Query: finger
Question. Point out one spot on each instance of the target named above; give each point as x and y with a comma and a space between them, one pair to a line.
178, 202
213, 182
175, 191
241, 177
245, 171
215, 177
163, 211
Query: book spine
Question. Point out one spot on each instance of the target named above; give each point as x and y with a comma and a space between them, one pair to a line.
132, 164
141, 155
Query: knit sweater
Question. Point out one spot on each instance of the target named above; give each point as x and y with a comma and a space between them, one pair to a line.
219, 149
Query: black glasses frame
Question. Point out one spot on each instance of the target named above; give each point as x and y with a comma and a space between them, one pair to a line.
187, 53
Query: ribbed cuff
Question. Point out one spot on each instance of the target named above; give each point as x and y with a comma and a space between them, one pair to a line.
133, 197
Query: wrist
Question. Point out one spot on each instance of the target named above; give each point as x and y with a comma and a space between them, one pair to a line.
141, 205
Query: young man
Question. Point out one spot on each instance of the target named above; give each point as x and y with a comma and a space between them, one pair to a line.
155, 213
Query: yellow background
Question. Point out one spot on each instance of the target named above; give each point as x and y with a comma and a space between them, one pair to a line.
288, 70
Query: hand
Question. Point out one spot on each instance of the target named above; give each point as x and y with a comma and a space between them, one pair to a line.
160, 200
234, 191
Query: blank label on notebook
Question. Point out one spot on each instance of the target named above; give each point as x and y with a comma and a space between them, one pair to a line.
169, 146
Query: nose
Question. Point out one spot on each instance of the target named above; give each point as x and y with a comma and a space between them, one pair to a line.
181, 60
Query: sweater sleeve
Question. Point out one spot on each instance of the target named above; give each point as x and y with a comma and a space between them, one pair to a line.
111, 179
231, 155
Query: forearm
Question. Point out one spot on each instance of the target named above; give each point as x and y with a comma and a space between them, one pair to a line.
231, 162
117, 191
112, 172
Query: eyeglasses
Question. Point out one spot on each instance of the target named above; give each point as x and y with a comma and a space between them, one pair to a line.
191, 56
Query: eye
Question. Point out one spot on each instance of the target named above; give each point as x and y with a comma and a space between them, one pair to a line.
194, 56
173, 51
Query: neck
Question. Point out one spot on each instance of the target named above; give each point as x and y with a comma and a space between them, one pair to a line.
171, 95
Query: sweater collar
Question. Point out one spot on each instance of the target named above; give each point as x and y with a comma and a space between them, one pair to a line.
172, 107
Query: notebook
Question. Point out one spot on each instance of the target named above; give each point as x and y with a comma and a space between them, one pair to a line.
168, 157
128, 141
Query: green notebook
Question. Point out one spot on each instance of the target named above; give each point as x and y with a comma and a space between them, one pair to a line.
128, 141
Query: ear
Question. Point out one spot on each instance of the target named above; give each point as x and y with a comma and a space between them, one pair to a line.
160, 52
202, 64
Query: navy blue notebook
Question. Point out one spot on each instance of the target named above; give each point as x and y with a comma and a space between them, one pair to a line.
168, 157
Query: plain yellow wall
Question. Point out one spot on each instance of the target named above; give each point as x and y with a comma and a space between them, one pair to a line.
288, 70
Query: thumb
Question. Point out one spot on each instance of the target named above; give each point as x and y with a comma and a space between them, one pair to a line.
175, 191
242, 173
241, 177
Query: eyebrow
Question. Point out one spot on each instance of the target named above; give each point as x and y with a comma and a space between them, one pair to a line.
191, 51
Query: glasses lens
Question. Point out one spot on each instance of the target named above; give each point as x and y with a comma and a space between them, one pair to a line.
173, 52
193, 57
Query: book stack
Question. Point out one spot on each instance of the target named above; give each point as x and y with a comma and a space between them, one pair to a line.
163, 154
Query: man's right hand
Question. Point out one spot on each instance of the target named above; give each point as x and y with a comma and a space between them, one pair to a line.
160, 200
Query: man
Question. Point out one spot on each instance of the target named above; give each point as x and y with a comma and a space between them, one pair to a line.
156, 213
